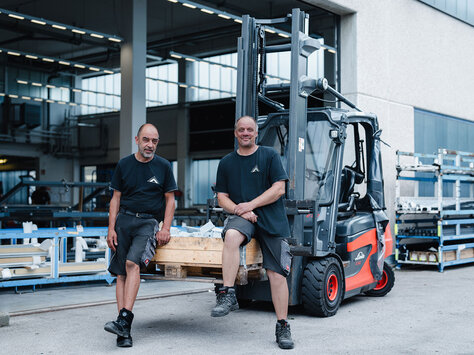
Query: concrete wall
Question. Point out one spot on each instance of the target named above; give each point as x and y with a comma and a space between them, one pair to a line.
400, 54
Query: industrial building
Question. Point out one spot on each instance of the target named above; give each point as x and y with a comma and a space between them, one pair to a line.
390, 58
78, 78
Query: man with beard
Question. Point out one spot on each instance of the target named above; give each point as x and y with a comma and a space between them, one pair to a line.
250, 185
144, 186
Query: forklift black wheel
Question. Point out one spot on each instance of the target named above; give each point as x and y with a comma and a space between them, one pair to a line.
385, 284
322, 287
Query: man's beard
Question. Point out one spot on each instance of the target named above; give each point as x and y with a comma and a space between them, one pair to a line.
146, 154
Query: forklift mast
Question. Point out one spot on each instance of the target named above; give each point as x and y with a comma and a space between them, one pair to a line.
320, 190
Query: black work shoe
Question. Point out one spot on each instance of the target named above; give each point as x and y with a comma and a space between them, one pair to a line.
122, 325
283, 335
226, 302
123, 342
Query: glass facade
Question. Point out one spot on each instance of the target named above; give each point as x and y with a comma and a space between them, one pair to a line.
204, 176
434, 131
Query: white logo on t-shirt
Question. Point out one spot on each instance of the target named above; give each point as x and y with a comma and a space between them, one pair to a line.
153, 180
255, 169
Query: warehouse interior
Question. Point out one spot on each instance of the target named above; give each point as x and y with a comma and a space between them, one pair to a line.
73, 87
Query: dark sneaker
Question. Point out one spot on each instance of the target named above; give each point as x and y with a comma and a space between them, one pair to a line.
283, 335
122, 325
226, 302
123, 342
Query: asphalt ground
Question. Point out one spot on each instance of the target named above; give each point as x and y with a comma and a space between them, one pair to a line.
427, 312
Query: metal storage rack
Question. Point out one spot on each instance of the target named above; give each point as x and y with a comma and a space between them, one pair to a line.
50, 265
435, 230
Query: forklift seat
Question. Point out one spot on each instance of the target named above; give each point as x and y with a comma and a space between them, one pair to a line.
349, 178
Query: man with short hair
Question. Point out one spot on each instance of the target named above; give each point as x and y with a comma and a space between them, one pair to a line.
250, 185
144, 186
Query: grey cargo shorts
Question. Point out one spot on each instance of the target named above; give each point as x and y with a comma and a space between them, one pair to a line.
275, 249
133, 236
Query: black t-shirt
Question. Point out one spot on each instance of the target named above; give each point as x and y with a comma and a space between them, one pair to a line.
246, 177
143, 185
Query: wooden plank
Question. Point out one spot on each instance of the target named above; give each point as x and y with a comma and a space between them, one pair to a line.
467, 253
175, 271
20, 249
19, 260
181, 272
64, 269
209, 257
203, 251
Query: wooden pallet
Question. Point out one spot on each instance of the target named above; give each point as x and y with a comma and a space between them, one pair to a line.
184, 258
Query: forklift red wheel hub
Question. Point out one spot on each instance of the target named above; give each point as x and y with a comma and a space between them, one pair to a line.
332, 287
382, 282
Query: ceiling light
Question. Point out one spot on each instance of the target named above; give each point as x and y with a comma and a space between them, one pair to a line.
31, 56
13, 96
269, 30
38, 22
176, 56
16, 16
113, 39
59, 27
237, 20
76, 90
96, 35
189, 5
48, 60
61, 102
94, 69
175, 1
79, 66
26, 98
109, 72
283, 35
50, 86
2, 94
72, 104
21, 82
13, 53
224, 16
36, 84
38, 99
78, 31
50, 101
3, 161
331, 50
183, 85
190, 59
64, 63
207, 11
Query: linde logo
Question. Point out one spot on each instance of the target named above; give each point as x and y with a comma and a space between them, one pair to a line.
360, 256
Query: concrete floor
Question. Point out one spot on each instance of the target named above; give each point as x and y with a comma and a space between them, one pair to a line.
427, 312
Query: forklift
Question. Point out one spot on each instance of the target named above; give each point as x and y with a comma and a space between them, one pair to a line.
340, 233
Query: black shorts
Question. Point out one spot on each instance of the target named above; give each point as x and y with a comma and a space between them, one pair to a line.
132, 237
275, 249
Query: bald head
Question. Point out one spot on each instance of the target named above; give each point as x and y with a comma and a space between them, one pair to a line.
246, 118
147, 126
